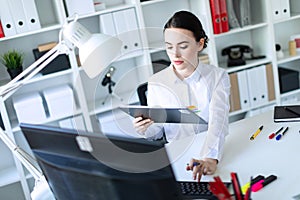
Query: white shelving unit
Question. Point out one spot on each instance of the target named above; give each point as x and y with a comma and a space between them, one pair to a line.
133, 67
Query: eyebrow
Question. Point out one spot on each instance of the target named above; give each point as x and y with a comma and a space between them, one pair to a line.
183, 42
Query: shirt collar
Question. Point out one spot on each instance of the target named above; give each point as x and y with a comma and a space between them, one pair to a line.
195, 76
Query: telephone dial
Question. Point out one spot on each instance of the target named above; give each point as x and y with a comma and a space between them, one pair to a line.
236, 54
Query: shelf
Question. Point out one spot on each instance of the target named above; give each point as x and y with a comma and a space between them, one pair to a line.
127, 98
250, 63
30, 33
9, 176
39, 77
252, 108
15, 123
107, 10
294, 16
145, 3
288, 58
291, 93
239, 30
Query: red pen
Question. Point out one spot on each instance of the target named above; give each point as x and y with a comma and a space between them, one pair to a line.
236, 186
272, 135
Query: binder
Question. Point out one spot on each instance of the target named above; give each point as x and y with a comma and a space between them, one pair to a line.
276, 10
280, 9
243, 89
285, 9
243, 12
289, 113
235, 102
232, 19
18, 15
1, 30
270, 82
257, 85
107, 25
77, 6
262, 84
224, 16
7, 20
215, 16
127, 29
31, 15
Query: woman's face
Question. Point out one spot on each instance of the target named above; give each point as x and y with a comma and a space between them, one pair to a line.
182, 48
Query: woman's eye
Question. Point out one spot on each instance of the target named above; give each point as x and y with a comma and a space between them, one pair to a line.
169, 47
183, 47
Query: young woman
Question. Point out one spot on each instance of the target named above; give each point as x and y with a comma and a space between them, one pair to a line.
188, 82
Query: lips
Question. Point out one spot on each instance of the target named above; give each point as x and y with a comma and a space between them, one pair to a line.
178, 62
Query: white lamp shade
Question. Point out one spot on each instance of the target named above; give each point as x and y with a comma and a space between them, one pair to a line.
97, 53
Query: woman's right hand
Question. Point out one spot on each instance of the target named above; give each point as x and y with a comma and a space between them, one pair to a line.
141, 125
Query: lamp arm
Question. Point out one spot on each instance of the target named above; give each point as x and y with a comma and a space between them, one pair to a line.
32, 70
23, 157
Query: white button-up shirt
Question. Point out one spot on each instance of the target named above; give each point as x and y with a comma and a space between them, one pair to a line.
207, 90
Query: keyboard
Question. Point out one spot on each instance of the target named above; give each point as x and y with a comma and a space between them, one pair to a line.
197, 190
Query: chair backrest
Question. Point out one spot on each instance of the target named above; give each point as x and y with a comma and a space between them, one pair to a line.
142, 93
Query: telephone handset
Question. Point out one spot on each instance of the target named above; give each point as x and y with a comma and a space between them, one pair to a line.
236, 54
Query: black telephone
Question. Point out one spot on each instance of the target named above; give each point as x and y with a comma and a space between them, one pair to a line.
236, 54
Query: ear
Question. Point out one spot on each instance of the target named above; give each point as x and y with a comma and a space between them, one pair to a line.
201, 44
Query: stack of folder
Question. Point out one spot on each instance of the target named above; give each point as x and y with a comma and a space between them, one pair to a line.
229, 14
252, 87
219, 16
18, 16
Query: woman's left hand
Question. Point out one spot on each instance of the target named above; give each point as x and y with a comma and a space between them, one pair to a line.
207, 166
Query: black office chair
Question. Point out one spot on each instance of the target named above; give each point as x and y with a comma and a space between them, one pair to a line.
142, 93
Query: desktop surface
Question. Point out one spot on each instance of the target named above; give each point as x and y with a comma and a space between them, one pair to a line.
261, 156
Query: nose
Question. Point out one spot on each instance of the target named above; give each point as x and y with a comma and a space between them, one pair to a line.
177, 53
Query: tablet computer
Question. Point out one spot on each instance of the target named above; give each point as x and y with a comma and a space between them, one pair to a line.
163, 115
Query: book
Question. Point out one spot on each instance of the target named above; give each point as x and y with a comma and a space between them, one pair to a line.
289, 113
46, 46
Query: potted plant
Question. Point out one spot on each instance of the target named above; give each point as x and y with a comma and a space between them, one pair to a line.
13, 61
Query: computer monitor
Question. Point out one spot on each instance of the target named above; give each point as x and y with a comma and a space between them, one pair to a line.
81, 165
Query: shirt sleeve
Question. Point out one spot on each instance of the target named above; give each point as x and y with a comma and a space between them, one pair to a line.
155, 131
218, 118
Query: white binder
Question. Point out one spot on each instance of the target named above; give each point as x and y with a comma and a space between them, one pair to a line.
280, 9
18, 15
276, 9
262, 84
31, 14
6, 19
127, 29
79, 6
257, 85
107, 25
285, 9
252, 86
243, 89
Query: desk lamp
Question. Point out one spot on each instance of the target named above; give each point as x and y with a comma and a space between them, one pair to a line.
96, 51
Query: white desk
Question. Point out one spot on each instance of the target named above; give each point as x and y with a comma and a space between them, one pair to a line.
250, 158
